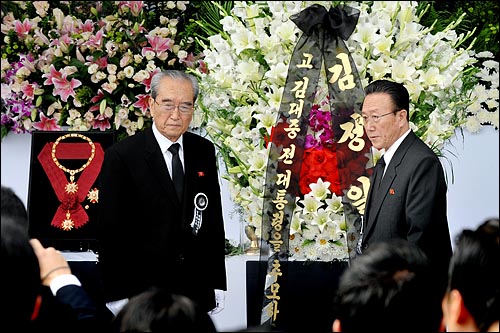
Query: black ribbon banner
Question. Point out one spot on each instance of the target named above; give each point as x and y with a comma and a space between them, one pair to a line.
322, 42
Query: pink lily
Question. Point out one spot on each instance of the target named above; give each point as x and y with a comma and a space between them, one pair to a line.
53, 74
95, 42
101, 122
135, 6
142, 103
65, 88
159, 46
46, 124
22, 28
147, 82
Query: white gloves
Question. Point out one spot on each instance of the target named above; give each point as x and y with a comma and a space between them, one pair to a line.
220, 298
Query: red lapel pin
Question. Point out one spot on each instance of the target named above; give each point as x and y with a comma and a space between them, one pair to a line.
391, 191
201, 174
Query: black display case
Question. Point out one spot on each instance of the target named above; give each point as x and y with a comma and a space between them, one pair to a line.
63, 195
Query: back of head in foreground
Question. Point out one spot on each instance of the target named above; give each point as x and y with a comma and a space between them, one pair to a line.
157, 310
388, 287
13, 206
21, 278
471, 301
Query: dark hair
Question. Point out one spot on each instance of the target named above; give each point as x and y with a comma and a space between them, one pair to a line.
13, 206
388, 286
21, 278
474, 272
157, 310
176, 75
398, 93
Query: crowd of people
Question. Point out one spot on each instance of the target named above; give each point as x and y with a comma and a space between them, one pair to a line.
405, 277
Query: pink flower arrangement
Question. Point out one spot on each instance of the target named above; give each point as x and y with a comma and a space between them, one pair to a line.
88, 65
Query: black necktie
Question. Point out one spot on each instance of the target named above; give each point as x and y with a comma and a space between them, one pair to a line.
377, 178
177, 172
380, 171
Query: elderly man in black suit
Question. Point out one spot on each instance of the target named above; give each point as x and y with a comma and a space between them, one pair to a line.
161, 221
407, 196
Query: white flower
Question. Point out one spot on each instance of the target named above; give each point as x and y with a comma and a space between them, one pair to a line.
320, 189
310, 203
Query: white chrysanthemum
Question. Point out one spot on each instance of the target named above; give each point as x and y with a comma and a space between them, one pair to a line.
475, 106
472, 124
310, 232
340, 252
483, 116
311, 252
494, 119
323, 246
295, 246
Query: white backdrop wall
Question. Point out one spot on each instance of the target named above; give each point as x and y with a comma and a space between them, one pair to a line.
472, 196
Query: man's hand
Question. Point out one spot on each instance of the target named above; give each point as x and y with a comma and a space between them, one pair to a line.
220, 298
52, 262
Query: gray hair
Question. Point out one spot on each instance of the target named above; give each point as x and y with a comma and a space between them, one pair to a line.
176, 75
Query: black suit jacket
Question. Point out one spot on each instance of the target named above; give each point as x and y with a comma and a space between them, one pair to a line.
145, 238
70, 310
411, 203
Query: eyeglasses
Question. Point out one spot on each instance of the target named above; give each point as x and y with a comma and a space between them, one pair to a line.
184, 109
376, 118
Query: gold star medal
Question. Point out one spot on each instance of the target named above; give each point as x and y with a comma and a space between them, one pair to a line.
93, 195
68, 223
71, 188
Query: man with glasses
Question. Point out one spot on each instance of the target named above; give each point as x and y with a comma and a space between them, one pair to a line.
161, 221
407, 196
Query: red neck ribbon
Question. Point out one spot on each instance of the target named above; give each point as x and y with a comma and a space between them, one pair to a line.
71, 202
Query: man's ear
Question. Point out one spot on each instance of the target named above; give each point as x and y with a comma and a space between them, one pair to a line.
463, 315
454, 310
336, 326
402, 114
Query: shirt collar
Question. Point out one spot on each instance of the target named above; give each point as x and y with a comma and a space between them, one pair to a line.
392, 149
163, 141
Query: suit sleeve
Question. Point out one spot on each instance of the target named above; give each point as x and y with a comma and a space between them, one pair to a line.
426, 207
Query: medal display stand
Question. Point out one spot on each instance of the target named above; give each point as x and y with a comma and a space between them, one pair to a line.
63, 195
